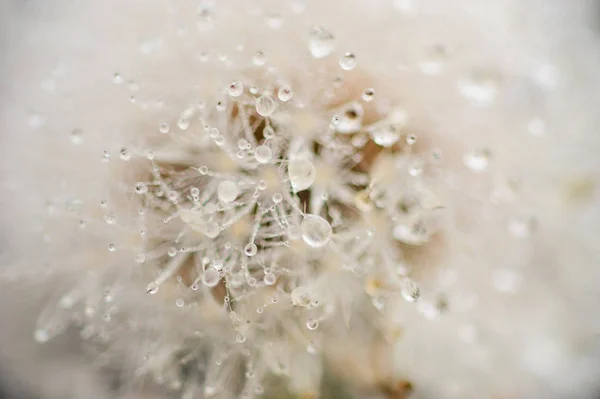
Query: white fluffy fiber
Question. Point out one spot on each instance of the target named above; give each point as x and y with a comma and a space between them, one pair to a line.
522, 319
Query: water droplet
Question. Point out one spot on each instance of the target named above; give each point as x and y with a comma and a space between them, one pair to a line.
112, 247
163, 128
203, 170
210, 277
250, 249
235, 89
348, 62
125, 154
300, 296
410, 290
285, 93
277, 198
316, 231
141, 188
350, 120
520, 226
301, 173
269, 279
263, 154
183, 124
227, 191
262, 185
274, 21
152, 288
140, 258
240, 338
480, 90
172, 251
320, 42
179, 303
477, 160
368, 95
77, 136
265, 106
259, 58
411, 139
312, 324
386, 134
118, 79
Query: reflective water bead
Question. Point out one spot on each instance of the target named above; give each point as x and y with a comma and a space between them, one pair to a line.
269, 279
302, 173
265, 105
277, 198
348, 62
179, 303
410, 290
164, 128
268, 132
141, 188
217, 264
210, 277
140, 258
300, 296
112, 247
125, 154
312, 324
152, 287
259, 58
263, 154
235, 89
41, 335
477, 160
227, 191
350, 120
262, 185
250, 249
172, 251
316, 231
385, 135
368, 95
240, 338
76, 136
320, 42
411, 139
285, 93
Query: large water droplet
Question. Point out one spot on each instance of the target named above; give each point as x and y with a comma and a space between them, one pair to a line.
265, 106
152, 288
386, 135
263, 154
350, 119
227, 191
250, 249
285, 93
235, 89
312, 324
210, 277
410, 290
301, 173
316, 231
348, 62
320, 42
300, 296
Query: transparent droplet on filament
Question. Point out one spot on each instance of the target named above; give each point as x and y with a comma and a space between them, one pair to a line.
263, 154
227, 191
265, 106
320, 42
350, 119
300, 296
210, 277
348, 62
301, 173
316, 231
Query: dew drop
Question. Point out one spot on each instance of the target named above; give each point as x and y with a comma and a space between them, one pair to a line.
240, 338
277, 198
265, 106
141, 188
320, 42
227, 191
250, 249
263, 154
235, 89
300, 296
348, 62
125, 154
386, 135
140, 258
152, 288
350, 120
210, 277
269, 279
285, 93
112, 247
179, 303
259, 58
312, 324
164, 128
368, 95
316, 231
172, 251
77, 136
301, 173
477, 160
410, 290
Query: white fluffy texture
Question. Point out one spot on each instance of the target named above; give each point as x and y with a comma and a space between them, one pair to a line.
540, 341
